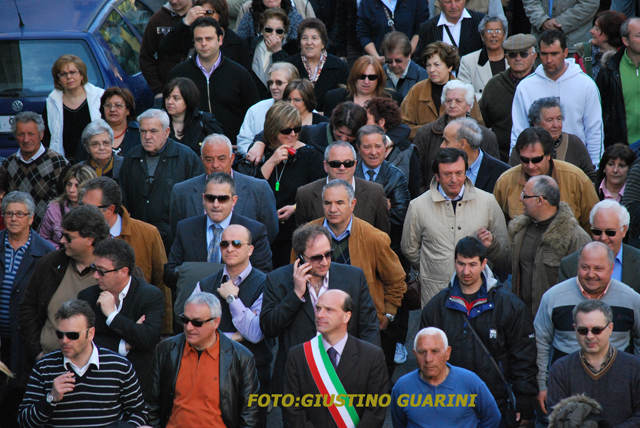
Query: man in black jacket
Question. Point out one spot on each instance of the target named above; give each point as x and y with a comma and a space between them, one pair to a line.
226, 88
474, 299
202, 364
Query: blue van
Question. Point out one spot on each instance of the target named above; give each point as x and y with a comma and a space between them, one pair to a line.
105, 34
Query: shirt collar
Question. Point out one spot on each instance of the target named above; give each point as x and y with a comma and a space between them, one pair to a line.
93, 359
215, 65
39, 153
608, 195
443, 20
213, 351
589, 296
123, 293
444, 195
475, 166
338, 346
241, 277
223, 224
116, 229
345, 234
366, 168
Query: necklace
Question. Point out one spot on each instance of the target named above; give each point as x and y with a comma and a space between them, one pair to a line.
115, 137
278, 177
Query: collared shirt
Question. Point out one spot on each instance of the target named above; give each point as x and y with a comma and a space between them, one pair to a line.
12, 262
206, 72
617, 266
39, 153
611, 353
338, 346
444, 195
608, 195
474, 168
391, 4
394, 78
312, 291
589, 296
223, 225
93, 359
116, 229
365, 168
343, 235
122, 346
454, 28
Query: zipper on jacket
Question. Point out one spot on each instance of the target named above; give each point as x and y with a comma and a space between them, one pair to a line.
209, 97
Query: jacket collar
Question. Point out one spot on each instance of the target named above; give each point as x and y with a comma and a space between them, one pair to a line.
483, 57
456, 300
469, 191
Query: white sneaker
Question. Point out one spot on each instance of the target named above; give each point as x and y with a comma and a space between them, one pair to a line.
401, 354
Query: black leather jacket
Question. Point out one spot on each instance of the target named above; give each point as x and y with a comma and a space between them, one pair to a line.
238, 379
614, 117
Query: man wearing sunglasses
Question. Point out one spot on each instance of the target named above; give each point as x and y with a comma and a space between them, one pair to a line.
609, 224
598, 369
555, 336
340, 163
129, 311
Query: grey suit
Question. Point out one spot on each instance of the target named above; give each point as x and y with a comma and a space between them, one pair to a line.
255, 200
630, 266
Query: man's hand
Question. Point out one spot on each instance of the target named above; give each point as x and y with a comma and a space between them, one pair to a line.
285, 212
237, 337
140, 321
64, 383
551, 24
384, 323
228, 289
107, 303
194, 13
301, 276
485, 236
542, 398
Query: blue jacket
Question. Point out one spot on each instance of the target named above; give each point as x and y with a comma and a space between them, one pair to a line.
415, 74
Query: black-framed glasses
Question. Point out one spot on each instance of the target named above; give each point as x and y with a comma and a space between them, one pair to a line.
608, 232
196, 323
19, 214
287, 131
583, 331
347, 164
392, 60
212, 198
269, 30
525, 160
371, 77
514, 54
71, 335
103, 272
236, 243
525, 196
319, 257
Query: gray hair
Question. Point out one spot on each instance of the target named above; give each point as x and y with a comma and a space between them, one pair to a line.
339, 183
623, 214
487, 19
154, 113
327, 150
535, 111
17, 197
610, 255
431, 331
96, 127
204, 298
591, 305
624, 28
217, 138
546, 187
287, 67
469, 95
25, 117
469, 130
370, 130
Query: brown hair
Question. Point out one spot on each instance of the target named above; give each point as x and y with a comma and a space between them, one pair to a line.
446, 52
62, 62
219, 6
277, 13
314, 24
281, 115
305, 87
384, 108
126, 96
358, 68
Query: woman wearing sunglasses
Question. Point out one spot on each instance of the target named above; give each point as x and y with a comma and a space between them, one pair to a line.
249, 23
287, 165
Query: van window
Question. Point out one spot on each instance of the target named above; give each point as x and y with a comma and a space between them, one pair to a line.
124, 45
136, 13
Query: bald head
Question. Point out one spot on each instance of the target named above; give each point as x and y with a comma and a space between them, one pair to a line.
597, 249
333, 312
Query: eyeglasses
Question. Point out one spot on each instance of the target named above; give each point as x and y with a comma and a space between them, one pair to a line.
393, 60
196, 323
493, 31
525, 196
276, 82
583, 331
19, 214
287, 131
598, 232
109, 106
514, 54
269, 30
66, 74
526, 160
347, 164
102, 272
71, 335
319, 257
209, 12
371, 77
212, 198
236, 243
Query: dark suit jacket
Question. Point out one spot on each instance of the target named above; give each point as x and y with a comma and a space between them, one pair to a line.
141, 299
630, 266
371, 205
292, 321
190, 244
430, 32
490, 169
255, 200
361, 370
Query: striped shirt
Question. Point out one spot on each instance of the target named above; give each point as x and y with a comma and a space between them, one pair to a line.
102, 396
12, 260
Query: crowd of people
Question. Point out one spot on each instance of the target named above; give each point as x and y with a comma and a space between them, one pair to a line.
310, 172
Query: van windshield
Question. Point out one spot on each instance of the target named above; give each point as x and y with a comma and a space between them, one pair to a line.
25, 65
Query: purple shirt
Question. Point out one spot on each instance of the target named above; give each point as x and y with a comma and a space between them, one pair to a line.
245, 320
204, 70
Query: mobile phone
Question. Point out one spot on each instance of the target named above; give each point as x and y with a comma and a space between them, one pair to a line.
301, 260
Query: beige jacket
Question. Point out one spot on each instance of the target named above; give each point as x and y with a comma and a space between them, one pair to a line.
432, 230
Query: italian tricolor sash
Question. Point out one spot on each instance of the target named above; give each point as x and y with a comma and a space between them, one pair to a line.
328, 383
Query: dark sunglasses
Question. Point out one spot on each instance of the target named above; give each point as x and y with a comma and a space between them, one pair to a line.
372, 77
196, 323
213, 198
236, 243
319, 257
598, 232
209, 12
270, 30
71, 335
287, 131
524, 196
514, 54
392, 60
583, 331
277, 82
103, 272
526, 160
347, 163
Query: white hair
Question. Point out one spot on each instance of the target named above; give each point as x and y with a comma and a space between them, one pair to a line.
469, 95
154, 113
217, 138
621, 210
431, 331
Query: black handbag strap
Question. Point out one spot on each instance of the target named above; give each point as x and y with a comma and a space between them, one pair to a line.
453, 41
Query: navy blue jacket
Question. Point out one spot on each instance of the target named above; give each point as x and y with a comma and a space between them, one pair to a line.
415, 74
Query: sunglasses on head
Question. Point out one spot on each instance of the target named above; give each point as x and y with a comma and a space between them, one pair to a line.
337, 164
71, 335
526, 160
319, 257
236, 243
371, 77
287, 131
279, 31
514, 54
213, 198
598, 232
583, 331
392, 60
196, 323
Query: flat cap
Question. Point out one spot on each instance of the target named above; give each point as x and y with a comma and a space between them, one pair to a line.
519, 42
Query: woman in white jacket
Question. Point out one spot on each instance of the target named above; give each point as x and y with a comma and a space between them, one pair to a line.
74, 101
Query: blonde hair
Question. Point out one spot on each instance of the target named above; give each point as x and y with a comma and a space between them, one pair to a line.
281, 115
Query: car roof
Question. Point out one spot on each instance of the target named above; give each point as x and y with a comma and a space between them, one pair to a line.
48, 15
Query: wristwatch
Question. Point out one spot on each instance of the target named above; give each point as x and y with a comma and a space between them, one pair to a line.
49, 399
231, 298
390, 317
